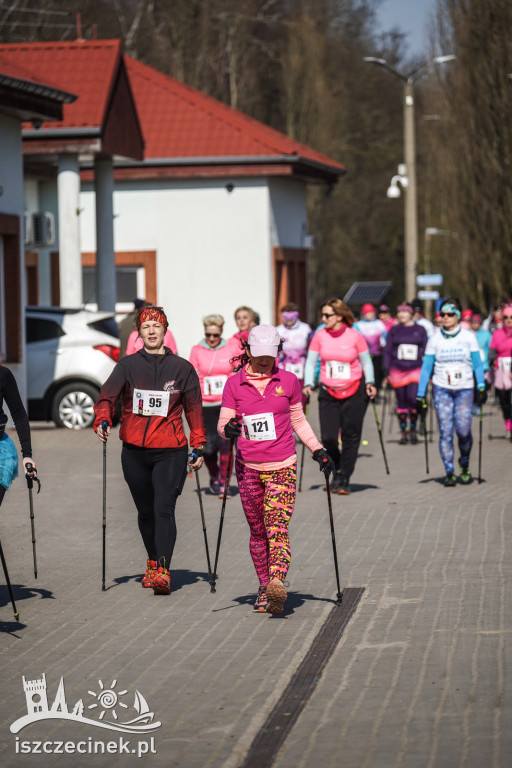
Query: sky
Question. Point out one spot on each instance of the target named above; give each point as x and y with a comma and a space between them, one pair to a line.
411, 17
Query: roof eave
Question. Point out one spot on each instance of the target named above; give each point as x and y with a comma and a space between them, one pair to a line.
238, 160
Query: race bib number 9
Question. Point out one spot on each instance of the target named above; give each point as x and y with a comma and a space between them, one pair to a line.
337, 370
149, 403
214, 385
454, 376
407, 352
261, 426
296, 368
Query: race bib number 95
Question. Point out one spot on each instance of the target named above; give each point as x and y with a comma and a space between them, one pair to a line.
149, 403
261, 426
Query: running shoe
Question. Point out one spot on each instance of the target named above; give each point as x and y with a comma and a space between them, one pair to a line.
260, 606
344, 487
450, 480
413, 436
465, 473
335, 484
214, 485
276, 596
162, 582
151, 569
403, 438
221, 492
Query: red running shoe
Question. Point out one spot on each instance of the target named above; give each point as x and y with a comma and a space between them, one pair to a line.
162, 582
276, 596
260, 606
151, 569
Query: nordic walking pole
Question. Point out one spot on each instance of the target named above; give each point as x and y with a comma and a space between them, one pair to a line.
380, 436
8, 582
425, 437
480, 428
431, 406
339, 596
104, 426
384, 403
30, 485
302, 455
193, 455
221, 523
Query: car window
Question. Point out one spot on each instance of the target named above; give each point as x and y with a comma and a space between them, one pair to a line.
107, 325
40, 329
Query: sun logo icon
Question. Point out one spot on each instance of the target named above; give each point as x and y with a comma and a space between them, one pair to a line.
107, 699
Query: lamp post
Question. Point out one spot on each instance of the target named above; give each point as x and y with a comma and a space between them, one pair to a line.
411, 204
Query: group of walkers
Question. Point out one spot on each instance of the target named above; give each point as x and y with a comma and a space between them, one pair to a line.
251, 392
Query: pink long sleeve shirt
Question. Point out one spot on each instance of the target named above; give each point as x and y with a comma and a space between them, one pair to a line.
270, 406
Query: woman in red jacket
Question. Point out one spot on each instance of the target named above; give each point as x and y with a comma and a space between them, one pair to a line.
156, 386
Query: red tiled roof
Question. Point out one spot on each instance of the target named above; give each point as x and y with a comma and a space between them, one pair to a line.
86, 68
180, 122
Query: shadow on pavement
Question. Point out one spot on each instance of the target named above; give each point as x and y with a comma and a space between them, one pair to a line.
179, 579
20, 593
294, 601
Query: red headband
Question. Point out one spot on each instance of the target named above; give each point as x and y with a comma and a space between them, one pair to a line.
155, 314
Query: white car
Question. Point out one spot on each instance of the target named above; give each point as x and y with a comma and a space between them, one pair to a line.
70, 353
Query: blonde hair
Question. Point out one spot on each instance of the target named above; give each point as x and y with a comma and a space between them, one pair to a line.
217, 320
341, 309
245, 309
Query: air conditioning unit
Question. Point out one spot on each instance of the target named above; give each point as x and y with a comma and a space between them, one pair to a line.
28, 235
43, 229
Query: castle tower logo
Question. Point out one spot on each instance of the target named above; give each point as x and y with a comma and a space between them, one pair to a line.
109, 704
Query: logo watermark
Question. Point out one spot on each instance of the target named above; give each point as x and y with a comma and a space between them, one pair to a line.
108, 704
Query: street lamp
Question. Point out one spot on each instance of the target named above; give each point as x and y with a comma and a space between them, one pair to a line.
411, 205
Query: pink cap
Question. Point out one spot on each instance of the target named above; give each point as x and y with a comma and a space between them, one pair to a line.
264, 340
466, 314
367, 308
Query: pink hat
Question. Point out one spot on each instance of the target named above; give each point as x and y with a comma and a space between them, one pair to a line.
466, 314
367, 308
264, 340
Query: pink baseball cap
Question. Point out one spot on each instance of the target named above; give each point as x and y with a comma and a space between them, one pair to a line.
264, 340
367, 308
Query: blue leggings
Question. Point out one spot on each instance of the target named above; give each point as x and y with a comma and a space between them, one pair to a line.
453, 407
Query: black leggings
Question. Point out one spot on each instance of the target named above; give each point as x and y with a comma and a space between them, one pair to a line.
503, 397
347, 415
2, 493
155, 477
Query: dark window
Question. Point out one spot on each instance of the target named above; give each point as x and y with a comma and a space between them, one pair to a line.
107, 325
40, 329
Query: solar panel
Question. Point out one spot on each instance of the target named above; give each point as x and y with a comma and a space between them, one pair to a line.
360, 293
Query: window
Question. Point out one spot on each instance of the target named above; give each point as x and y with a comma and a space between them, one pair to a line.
41, 329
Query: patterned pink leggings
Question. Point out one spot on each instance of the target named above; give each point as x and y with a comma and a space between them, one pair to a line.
267, 500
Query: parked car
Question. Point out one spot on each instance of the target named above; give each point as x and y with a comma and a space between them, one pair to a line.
70, 353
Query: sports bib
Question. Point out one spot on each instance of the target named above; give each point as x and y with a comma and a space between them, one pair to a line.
337, 370
296, 368
261, 426
407, 352
214, 385
147, 402
454, 376
504, 364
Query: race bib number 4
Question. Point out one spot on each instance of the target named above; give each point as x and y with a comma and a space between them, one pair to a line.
504, 364
337, 370
407, 352
261, 426
214, 385
454, 376
149, 403
296, 368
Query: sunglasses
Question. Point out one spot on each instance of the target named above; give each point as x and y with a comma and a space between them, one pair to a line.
447, 314
507, 316
212, 335
328, 314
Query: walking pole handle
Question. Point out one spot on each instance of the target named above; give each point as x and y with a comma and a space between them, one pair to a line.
31, 475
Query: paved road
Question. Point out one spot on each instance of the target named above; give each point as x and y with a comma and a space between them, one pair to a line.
421, 677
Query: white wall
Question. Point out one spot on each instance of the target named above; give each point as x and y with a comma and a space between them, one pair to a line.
11, 202
288, 213
213, 247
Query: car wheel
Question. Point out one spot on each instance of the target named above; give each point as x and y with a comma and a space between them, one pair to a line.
73, 406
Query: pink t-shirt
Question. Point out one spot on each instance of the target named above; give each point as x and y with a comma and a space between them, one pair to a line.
501, 369
267, 433
213, 368
340, 370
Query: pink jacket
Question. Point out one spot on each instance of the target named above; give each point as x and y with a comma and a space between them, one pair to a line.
213, 368
135, 343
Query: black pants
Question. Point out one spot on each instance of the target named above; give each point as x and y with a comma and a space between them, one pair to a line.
347, 415
503, 398
155, 477
2, 493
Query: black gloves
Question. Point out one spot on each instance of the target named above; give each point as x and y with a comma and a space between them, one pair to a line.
324, 461
482, 394
233, 429
3, 422
196, 452
421, 407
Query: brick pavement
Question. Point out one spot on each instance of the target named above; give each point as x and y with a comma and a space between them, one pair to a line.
419, 678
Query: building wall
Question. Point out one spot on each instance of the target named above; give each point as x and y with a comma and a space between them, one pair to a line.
214, 247
11, 202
